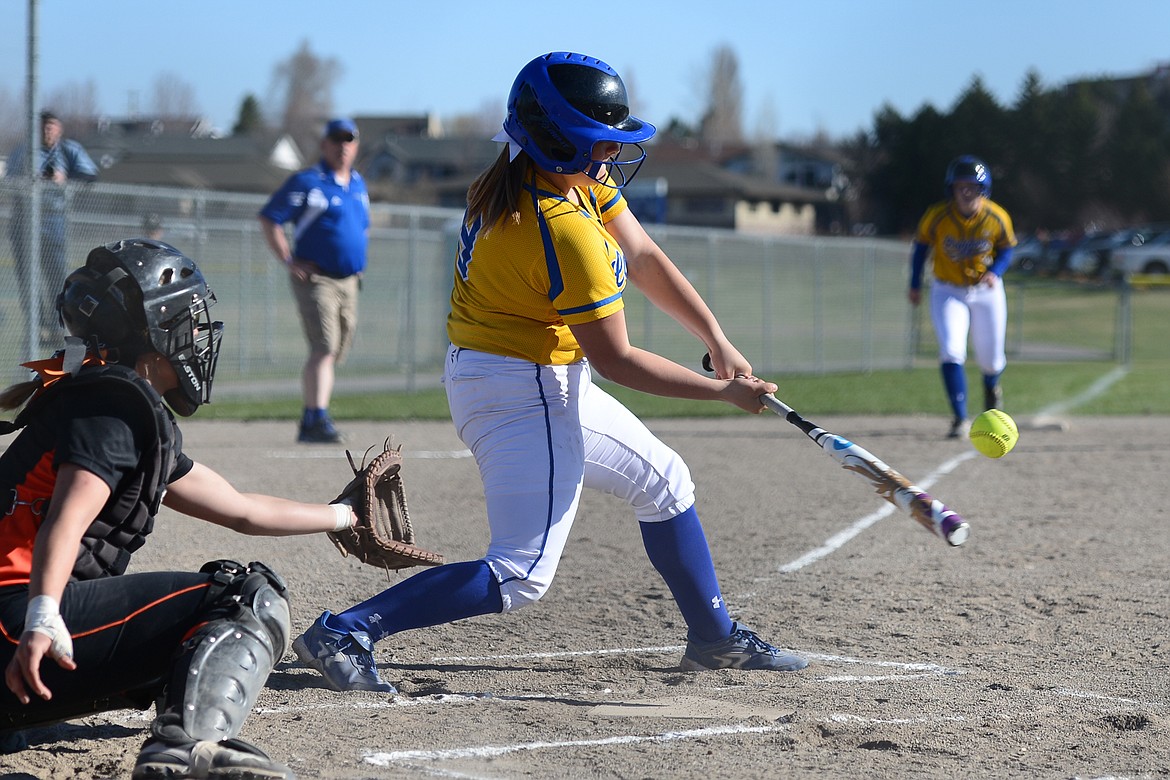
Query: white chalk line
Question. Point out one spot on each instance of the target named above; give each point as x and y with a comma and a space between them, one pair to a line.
924, 668
874, 678
1108, 698
386, 759
1091, 392
913, 667
841, 538
492, 751
841, 717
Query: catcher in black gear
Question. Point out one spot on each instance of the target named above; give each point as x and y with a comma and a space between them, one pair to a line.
97, 452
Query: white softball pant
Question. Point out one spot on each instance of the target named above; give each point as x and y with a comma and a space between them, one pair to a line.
981, 311
539, 434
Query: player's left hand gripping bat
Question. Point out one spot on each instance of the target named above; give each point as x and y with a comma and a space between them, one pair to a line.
931, 513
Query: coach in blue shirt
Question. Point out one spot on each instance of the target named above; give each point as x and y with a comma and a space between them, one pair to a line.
57, 161
329, 210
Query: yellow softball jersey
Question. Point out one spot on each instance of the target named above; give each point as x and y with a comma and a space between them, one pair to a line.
518, 287
963, 248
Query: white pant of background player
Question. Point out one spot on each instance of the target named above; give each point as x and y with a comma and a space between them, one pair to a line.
539, 434
979, 310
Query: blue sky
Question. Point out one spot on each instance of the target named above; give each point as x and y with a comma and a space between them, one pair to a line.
808, 66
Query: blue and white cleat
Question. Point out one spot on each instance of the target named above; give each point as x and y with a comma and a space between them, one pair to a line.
346, 661
742, 650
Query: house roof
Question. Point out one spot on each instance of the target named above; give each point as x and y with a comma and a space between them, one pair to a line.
236, 164
401, 160
469, 154
374, 128
699, 177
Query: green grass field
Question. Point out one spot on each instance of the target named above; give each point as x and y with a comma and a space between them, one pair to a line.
1029, 388
1049, 314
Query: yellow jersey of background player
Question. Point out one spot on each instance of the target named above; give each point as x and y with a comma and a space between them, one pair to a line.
519, 286
969, 239
963, 248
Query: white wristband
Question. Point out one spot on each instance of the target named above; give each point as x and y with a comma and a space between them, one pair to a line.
41, 609
344, 517
43, 616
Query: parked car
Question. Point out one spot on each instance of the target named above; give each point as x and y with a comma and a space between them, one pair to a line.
1146, 253
1028, 254
1091, 256
1035, 255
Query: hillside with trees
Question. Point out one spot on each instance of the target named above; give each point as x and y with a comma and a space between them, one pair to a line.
1087, 155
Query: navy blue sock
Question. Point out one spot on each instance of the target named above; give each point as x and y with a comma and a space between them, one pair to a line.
678, 549
955, 381
990, 381
429, 598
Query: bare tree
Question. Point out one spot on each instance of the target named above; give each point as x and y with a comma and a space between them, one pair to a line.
172, 96
13, 123
76, 103
722, 122
767, 127
303, 90
630, 79
483, 123
765, 153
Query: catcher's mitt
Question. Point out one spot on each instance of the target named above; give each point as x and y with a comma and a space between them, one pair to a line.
383, 535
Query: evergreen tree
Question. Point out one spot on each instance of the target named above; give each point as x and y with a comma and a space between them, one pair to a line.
249, 120
1137, 158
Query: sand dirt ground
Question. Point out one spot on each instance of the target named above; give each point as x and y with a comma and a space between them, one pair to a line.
1035, 650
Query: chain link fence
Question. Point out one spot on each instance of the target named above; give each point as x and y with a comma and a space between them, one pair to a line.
794, 305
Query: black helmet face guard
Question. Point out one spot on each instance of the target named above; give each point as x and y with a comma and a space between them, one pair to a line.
191, 345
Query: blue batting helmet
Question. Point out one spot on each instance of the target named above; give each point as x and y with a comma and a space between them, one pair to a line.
562, 103
968, 168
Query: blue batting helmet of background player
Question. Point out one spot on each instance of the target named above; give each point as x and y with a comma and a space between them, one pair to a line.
562, 103
968, 168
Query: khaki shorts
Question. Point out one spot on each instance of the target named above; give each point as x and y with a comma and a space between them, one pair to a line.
328, 309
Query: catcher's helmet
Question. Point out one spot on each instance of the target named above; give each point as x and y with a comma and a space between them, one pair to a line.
562, 103
968, 168
137, 296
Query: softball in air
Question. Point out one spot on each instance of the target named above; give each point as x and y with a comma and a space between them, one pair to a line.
994, 433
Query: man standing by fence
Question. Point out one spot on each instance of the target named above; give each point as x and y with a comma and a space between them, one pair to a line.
57, 161
329, 208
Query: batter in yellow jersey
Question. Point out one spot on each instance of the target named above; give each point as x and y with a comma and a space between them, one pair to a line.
546, 249
519, 286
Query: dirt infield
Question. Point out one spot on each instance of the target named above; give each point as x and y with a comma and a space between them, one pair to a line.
1035, 650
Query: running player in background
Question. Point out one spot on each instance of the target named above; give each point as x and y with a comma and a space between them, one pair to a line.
546, 249
969, 239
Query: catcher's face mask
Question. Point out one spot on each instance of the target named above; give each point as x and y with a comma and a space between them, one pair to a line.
193, 351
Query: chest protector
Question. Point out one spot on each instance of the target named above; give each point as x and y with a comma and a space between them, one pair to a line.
128, 516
